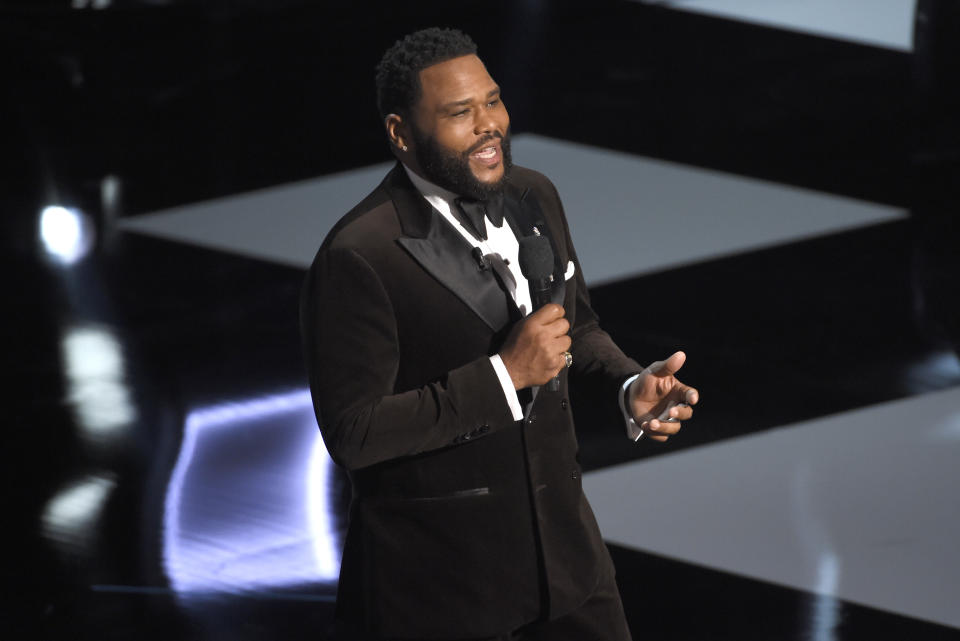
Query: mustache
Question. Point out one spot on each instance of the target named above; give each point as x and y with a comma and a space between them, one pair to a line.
483, 142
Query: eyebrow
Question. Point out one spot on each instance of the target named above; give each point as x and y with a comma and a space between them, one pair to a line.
467, 101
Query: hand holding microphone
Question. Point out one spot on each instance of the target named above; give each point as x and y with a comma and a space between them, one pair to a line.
538, 346
534, 350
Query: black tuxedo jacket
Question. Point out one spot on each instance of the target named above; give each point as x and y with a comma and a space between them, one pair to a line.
464, 522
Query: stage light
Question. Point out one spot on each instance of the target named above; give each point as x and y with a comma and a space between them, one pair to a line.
91, 4
70, 518
95, 372
67, 233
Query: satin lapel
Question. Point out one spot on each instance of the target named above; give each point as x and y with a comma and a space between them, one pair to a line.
522, 210
445, 255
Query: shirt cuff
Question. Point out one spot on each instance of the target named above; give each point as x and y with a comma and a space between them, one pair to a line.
634, 432
506, 383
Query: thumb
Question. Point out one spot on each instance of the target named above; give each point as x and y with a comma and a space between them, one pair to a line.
546, 314
668, 367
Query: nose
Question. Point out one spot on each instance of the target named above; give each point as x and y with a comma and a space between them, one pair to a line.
486, 122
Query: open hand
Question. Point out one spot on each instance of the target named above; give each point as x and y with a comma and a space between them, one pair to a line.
658, 401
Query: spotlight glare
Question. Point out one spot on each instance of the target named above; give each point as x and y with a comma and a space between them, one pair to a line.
67, 233
71, 518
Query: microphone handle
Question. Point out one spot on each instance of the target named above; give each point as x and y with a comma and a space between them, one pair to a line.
553, 385
539, 293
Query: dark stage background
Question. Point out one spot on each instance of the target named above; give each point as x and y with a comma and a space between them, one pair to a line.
114, 359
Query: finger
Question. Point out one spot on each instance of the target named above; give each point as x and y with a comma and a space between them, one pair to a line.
664, 427
547, 314
681, 413
561, 326
656, 435
556, 364
689, 395
557, 327
668, 367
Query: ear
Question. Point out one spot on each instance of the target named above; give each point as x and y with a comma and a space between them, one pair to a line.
397, 132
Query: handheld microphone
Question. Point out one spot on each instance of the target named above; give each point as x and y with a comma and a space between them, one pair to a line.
536, 265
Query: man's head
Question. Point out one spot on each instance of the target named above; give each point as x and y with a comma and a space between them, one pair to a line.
443, 112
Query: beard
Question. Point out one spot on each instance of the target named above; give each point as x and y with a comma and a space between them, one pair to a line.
451, 169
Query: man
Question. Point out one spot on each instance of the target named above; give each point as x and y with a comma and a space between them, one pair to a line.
467, 519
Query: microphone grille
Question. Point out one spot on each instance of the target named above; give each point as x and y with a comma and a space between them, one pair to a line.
536, 257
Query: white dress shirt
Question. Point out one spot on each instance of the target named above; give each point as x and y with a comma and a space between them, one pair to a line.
501, 240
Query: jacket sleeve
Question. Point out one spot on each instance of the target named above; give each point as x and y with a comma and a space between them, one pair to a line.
352, 352
599, 366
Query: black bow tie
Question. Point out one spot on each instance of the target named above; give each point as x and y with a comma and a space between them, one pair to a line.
471, 213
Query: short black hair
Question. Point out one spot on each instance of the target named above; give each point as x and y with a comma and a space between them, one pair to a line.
398, 74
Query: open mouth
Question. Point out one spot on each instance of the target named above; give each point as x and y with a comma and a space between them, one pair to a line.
488, 155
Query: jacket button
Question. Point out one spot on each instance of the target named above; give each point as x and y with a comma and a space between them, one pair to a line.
563, 403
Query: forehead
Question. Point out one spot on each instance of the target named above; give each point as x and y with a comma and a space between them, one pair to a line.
453, 80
